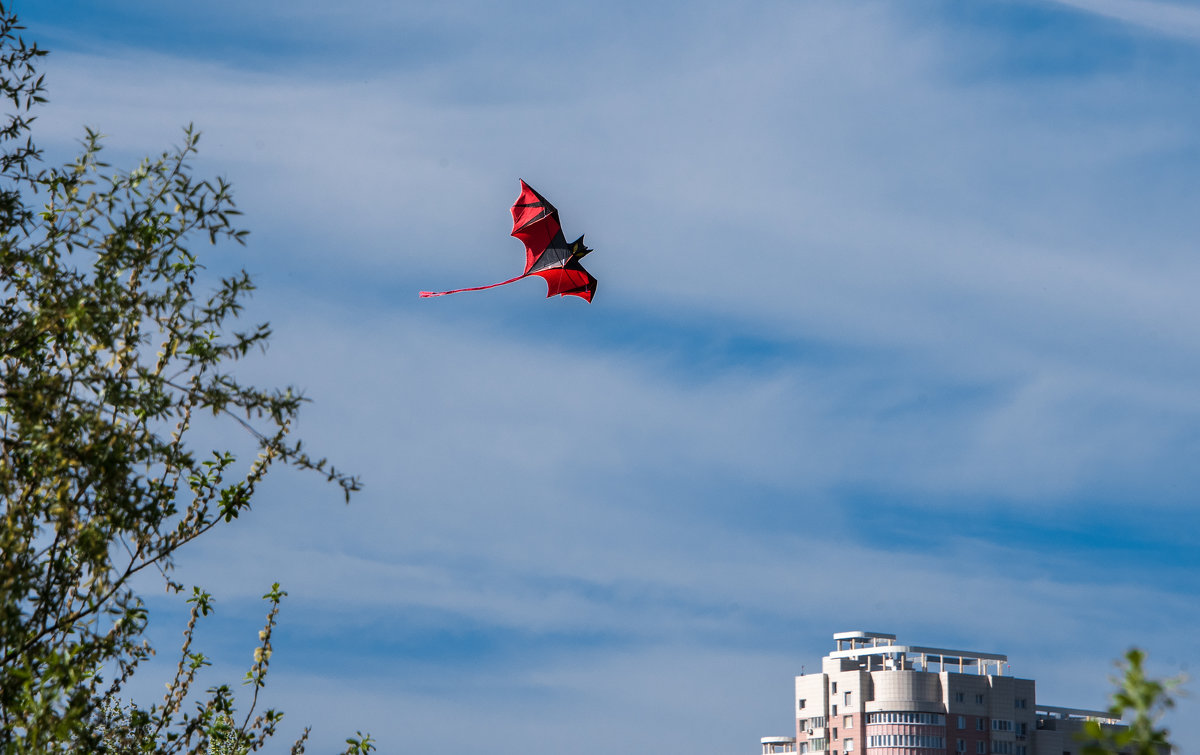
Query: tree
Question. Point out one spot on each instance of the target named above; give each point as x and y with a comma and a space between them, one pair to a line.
1147, 700
109, 357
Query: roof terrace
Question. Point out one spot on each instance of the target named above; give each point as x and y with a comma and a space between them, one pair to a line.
921, 658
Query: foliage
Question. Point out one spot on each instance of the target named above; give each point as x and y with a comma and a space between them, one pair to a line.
110, 357
1146, 699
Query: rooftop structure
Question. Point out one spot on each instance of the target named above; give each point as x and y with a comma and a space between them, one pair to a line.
884, 646
877, 695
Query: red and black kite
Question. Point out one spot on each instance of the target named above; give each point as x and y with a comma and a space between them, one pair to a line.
547, 253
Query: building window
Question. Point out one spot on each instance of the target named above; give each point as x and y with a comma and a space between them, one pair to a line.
800, 705
847, 698
962, 722
833, 735
958, 697
981, 724
834, 712
981, 747
961, 746
979, 699
848, 745
834, 690
925, 741
1021, 750
848, 721
1019, 702
1021, 728
934, 719
999, 724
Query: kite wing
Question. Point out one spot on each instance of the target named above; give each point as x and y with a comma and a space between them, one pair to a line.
547, 253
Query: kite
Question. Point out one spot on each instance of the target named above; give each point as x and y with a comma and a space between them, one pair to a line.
547, 253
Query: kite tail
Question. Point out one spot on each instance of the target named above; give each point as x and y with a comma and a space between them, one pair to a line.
428, 294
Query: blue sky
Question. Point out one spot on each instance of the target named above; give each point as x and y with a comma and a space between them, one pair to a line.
895, 330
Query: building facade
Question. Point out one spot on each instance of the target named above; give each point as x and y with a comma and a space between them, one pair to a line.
878, 697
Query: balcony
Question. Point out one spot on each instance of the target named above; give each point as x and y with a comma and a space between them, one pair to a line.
774, 745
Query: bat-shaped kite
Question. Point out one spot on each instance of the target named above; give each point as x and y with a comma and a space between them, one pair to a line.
547, 253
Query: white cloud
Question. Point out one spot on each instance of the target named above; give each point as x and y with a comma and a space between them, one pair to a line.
1168, 18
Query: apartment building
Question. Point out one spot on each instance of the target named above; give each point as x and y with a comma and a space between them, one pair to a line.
877, 696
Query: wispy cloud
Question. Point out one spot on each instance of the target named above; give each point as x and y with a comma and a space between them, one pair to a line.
1167, 18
